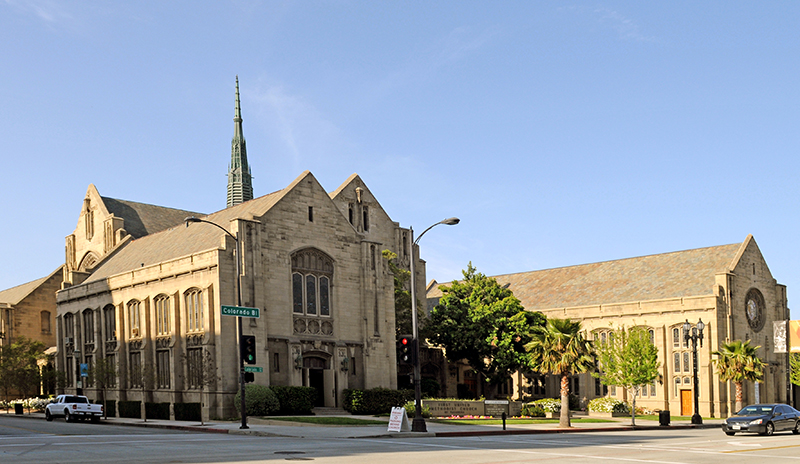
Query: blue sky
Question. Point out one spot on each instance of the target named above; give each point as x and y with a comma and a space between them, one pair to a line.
560, 133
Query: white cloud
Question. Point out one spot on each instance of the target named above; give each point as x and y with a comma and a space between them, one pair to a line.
46, 10
626, 28
302, 128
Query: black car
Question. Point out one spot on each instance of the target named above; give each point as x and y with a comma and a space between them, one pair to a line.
764, 419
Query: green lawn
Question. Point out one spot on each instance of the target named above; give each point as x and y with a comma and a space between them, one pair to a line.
332, 420
513, 421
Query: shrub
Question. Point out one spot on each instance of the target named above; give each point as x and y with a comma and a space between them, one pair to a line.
258, 401
607, 404
574, 402
549, 404
375, 401
411, 410
294, 400
430, 388
156, 411
532, 410
187, 412
130, 409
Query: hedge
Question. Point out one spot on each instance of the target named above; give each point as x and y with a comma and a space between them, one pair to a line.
294, 400
375, 401
187, 412
130, 409
259, 401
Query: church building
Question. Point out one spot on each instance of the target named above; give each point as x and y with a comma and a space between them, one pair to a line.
144, 289
729, 288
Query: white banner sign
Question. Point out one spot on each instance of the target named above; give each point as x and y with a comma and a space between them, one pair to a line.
779, 336
398, 421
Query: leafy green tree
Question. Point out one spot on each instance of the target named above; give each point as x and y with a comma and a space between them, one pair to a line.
19, 370
738, 362
559, 348
794, 363
402, 296
483, 323
629, 360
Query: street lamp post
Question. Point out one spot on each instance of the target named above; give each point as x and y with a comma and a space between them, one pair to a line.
238, 318
418, 424
696, 334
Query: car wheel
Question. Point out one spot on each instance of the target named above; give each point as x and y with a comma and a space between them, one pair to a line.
49, 417
67, 416
769, 429
730, 434
796, 429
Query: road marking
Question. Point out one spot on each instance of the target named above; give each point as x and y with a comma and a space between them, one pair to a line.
536, 452
738, 443
762, 449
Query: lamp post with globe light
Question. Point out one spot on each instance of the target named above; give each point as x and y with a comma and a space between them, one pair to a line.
696, 334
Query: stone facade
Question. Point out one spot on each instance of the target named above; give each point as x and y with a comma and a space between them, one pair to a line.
29, 310
311, 263
660, 293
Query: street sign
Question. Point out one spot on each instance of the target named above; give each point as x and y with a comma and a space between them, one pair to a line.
253, 369
241, 311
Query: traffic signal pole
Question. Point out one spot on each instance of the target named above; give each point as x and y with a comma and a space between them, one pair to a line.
239, 330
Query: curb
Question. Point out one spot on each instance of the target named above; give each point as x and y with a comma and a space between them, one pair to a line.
471, 433
628, 428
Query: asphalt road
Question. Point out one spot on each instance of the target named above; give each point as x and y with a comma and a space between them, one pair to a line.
36, 441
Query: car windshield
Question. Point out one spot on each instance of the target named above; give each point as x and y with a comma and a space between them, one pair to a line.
755, 411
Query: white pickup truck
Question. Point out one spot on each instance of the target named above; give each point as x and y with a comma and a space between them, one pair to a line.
73, 407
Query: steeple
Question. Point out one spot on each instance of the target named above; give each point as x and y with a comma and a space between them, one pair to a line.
240, 185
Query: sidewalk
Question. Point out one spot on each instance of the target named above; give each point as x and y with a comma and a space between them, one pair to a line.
273, 428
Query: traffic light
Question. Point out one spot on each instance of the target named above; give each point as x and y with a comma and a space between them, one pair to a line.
405, 349
249, 377
248, 348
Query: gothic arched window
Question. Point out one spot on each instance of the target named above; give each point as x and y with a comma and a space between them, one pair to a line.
134, 318
312, 272
162, 315
194, 310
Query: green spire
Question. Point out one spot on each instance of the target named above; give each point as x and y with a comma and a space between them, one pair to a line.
240, 185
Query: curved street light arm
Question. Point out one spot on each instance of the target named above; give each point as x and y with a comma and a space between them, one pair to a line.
196, 219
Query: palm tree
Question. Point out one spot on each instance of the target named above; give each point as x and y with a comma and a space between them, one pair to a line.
738, 362
559, 348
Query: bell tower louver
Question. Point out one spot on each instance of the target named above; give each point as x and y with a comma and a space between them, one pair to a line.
240, 184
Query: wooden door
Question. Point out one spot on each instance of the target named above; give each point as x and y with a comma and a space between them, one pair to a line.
686, 403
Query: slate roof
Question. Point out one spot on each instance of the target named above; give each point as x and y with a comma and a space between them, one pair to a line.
14, 295
142, 219
669, 275
178, 241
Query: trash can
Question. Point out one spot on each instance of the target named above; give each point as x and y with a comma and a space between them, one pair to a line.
663, 418
18, 408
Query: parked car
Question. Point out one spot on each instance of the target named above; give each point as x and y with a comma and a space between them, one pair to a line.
73, 407
765, 419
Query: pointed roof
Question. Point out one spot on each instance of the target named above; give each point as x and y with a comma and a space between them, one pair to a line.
179, 241
142, 219
669, 275
240, 182
14, 295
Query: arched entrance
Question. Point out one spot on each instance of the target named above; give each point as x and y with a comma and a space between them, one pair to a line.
314, 368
